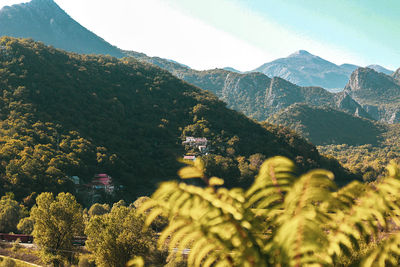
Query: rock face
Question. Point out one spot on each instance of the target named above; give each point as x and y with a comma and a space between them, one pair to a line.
45, 21
344, 102
370, 87
396, 76
379, 94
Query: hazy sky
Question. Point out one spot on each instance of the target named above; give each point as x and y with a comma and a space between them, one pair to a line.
245, 33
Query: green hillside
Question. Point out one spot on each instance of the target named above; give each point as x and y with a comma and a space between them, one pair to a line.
325, 125
364, 146
369, 160
65, 114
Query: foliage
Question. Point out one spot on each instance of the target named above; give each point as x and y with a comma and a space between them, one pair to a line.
115, 237
368, 160
64, 114
25, 225
56, 221
98, 209
281, 220
10, 213
324, 125
86, 261
7, 262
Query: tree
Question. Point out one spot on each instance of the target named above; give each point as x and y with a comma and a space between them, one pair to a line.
25, 225
115, 237
98, 209
281, 220
10, 213
56, 221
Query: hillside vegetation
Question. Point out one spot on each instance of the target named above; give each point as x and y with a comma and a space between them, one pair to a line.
65, 114
324, 125
364, 146
368, 160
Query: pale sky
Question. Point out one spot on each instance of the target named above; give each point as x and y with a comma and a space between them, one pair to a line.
244, 34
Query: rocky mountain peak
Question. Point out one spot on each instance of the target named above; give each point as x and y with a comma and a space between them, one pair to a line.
360, 78
42, 2
301, 53
370, 87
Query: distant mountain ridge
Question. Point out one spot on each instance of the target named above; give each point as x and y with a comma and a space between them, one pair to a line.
254, 93
259, 96
381, 69
305, 69
45, 21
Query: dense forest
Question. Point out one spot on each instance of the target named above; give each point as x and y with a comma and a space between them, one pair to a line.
368, 160
65, 114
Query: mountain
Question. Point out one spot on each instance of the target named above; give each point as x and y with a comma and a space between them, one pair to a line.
254, 93
305, 69
379, 68
231, 69
396, 76
378, 93
325, 126
166, 64
349, 68
64, 114
45, 21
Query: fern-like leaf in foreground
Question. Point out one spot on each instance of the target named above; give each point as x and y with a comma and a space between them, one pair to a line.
281, 220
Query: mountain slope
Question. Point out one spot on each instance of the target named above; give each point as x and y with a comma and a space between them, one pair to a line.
349, 68
254, 93
396, 75
305, 69
65, 114
325, 126
44, 20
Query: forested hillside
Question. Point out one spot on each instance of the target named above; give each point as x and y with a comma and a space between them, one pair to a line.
66, 114
362, 145
368, 160
322, 126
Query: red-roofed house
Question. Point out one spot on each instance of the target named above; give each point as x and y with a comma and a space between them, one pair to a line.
102, 181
